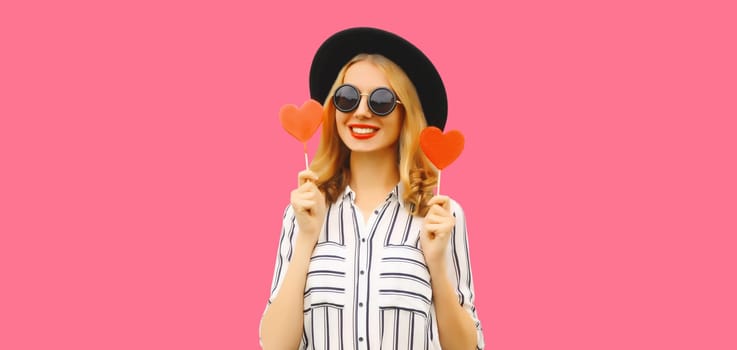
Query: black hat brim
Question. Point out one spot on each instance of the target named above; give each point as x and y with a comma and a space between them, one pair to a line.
341, 47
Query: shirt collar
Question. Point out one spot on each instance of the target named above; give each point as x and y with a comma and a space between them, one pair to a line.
394, 195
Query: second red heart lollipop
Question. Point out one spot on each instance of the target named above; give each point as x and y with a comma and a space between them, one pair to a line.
301, 122
441, 149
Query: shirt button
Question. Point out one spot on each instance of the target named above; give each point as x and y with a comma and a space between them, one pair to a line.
360, 338
363, 239
360, 304
362, 272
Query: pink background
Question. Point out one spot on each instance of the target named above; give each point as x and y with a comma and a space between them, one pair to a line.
144, 171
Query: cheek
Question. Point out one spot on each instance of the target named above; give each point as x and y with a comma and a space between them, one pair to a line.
339, 127
398, 125
340, 118
396, 131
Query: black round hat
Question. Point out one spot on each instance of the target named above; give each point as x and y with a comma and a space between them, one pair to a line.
341, 47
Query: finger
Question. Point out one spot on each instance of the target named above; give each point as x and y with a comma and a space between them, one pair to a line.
445, 226
438, 210
300, 192
303, 204
438, 230
308, 187
431, 231
294, 197
311, 188
309, 196
305, 176
440, 215
441, 200
438, 199
301, 196
435, 218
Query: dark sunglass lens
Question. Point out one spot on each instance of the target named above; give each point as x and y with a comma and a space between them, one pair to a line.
382, 101
346, 98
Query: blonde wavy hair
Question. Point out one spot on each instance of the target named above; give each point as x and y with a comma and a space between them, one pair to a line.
417, 175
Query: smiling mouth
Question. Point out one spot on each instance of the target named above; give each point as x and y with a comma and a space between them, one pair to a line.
363, 131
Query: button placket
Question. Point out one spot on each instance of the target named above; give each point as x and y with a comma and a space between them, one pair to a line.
361, 311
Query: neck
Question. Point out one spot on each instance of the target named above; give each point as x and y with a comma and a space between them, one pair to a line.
375, 172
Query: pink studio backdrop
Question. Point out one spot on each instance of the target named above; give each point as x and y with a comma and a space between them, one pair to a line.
144, 171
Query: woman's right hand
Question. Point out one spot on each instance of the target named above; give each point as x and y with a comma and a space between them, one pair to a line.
308, 203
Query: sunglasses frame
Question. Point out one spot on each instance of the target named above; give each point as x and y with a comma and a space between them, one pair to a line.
396, 100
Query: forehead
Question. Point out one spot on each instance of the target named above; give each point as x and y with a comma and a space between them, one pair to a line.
365, 76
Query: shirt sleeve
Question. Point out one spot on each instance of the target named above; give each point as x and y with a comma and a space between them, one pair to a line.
459, 268
283, 257
284, 252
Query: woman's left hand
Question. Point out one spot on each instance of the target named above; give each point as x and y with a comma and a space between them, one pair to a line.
436, 230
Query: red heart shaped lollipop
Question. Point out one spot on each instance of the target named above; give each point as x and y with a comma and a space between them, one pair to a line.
301, 122
441, 149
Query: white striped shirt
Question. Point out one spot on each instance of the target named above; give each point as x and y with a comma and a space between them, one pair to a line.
368, 286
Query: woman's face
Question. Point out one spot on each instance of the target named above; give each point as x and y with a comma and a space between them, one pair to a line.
360, 129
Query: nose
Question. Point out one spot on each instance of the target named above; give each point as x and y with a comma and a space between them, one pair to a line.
363, 111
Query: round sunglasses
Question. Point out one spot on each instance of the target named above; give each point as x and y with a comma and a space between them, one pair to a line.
381, 101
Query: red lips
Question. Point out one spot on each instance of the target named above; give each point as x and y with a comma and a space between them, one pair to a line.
363, 136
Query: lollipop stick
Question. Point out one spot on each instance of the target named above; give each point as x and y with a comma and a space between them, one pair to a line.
438, 193
307, 164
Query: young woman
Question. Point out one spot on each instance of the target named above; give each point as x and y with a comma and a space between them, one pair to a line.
368, 257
